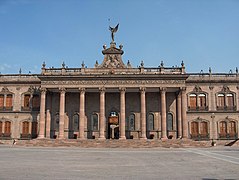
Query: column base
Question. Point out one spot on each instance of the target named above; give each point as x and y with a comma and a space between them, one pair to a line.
40, 137
142, 138
122, 138
164, 138
101, 138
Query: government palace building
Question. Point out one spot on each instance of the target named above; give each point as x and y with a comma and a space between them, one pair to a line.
114, 100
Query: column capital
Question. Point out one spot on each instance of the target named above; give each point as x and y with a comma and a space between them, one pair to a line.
122, 89
62, 90
102, 89
163, 89
183, 89
142, 89
82, 90
43, 90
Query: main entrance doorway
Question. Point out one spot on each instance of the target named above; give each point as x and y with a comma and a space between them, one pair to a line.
113, 125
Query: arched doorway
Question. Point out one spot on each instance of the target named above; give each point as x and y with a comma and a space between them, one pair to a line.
113, 125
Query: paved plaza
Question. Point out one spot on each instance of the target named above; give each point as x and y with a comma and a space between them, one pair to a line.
128, 163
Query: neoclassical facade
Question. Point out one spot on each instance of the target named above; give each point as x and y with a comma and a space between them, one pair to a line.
114, 100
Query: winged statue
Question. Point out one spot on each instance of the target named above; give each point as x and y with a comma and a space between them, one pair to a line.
113, 30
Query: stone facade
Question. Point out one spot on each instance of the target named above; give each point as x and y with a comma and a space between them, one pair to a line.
117, 101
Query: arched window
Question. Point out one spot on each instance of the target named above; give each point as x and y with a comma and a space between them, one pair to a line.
7, 129
25, 128
1, 101
170, 122
203, 128
76, 123
35, 101
202, 100
223, 129
150, 122
26, 101
230, 100
94, 122
0, 127
57, 120
221, 100
193, 101
132, 122
194, 129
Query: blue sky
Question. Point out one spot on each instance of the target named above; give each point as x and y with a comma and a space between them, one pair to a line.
202, 33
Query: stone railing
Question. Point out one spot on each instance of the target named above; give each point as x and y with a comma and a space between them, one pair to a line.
96, 71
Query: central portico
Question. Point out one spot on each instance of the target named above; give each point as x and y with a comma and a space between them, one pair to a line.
113, 100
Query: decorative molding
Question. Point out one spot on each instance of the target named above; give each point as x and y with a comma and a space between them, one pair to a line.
211, 87
113, 82
197, 89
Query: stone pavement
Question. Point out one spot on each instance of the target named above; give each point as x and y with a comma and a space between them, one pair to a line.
118, 163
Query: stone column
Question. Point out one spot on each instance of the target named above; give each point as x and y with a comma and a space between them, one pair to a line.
48, 124
82, 114
179, 114
163, 113
184, 113
62, 113
102, 114
211, 100
237, 101
122, 113
143, 113
42, 114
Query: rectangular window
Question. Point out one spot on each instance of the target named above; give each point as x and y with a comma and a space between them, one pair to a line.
1, 101
202, 100
221, 100
27, 101
193, 101
9, 101
230, 100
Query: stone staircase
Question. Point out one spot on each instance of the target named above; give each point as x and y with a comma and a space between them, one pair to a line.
129, 143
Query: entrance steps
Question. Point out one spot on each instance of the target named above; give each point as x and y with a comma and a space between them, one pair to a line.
129, 143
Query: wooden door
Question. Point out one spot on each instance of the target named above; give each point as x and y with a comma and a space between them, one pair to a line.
204, 129
223, 129
0, 128
25, 128
7, 130
194, 129
232, 129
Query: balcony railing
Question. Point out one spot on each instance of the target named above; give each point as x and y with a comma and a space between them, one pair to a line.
198, 108
226, 108
6, 108
199, 137
227, 136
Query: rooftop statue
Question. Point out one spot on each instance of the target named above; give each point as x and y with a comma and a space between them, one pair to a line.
113, 30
